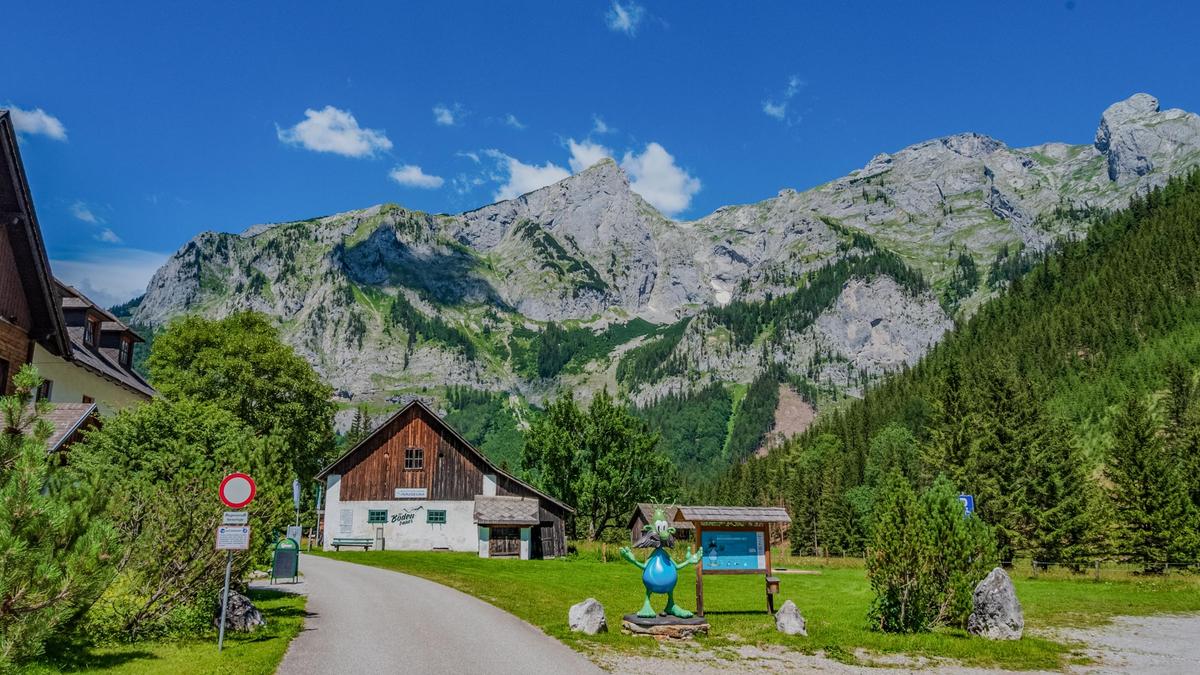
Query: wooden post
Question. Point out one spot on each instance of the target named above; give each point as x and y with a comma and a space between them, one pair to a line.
766, 530
699, 573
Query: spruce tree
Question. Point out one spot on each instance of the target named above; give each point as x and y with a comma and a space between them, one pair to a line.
1155, 517
1061, 497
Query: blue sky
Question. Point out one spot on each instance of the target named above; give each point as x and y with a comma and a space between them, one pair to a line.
147, 123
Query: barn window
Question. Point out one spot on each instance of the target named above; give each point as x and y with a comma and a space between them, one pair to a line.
414, 459
435, 517
376, 516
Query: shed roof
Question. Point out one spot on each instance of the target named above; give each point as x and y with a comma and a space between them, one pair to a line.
647, 512
734, 514
498, 510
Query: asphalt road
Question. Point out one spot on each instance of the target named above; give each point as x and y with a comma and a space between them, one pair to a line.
368, 620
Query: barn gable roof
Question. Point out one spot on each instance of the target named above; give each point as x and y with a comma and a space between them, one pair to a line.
420, 405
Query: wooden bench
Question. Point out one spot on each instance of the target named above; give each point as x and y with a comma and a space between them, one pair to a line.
365, 543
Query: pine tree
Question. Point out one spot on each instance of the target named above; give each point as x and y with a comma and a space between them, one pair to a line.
1155, 517
360, 427
1061, 497
55, 552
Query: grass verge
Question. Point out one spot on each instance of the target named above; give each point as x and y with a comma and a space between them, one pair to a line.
258, 653
834, 601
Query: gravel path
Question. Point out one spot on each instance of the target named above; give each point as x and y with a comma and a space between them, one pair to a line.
367, 620
1167, 644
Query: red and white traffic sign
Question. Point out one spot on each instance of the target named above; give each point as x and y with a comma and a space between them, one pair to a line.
237, 490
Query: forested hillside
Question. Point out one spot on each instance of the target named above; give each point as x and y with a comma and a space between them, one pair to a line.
1068, 406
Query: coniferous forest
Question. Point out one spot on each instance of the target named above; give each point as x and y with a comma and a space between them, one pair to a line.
1069, 407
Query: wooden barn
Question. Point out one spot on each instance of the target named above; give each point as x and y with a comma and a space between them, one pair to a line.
416, 484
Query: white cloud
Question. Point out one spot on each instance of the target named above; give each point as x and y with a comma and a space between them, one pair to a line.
412, 175
512, 121
778, 109
37, 121
110, 276
107, 236
625, 18
473, 156
521, 178
793, 87
463, 183
83, 212
585, 153
336, 131
599, 126
447, 116
660, 181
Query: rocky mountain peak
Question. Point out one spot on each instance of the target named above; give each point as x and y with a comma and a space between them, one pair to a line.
1120, 114
1135, 137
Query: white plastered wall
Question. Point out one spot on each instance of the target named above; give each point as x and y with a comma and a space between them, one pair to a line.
70, 383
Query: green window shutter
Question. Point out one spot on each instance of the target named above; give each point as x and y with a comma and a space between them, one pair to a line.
435, 517
376, 516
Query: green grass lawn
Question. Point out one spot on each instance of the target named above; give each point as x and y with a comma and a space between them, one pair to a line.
834, 602
252, 654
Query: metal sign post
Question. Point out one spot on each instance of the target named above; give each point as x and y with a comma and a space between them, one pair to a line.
317, 526
224, 601
236, 491
296, 497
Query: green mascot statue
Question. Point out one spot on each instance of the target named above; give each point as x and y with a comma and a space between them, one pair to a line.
659, 572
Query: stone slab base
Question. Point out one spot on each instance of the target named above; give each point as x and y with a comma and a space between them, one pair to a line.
664, 626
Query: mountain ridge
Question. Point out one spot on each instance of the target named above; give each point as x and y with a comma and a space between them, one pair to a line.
387, 301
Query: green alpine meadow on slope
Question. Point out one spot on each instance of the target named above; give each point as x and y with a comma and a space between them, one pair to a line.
834, 601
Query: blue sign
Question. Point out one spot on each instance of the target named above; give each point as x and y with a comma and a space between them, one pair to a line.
740, 550
968, 502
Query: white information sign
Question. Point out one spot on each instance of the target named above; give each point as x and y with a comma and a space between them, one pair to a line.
235, 518
233, 537
411, 493
293, 533
346, 521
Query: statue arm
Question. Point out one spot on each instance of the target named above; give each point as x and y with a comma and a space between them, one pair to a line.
628, 555
692, 558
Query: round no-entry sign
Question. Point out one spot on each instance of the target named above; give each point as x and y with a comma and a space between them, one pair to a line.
237, 490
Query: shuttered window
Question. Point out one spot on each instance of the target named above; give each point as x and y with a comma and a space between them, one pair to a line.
377, 516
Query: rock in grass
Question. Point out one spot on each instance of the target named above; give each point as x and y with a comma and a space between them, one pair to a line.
241, 616
588, 617
789, 621
997, 613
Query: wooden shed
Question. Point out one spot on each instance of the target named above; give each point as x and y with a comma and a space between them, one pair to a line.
415, 483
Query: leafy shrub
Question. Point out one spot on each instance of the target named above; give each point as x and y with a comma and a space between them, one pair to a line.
166, 458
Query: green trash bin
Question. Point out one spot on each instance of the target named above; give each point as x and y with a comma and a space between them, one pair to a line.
285, 560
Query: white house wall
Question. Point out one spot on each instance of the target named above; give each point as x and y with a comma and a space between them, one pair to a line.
70, 383
406, 528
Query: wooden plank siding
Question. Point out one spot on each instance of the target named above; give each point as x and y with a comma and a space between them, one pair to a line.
451, 471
